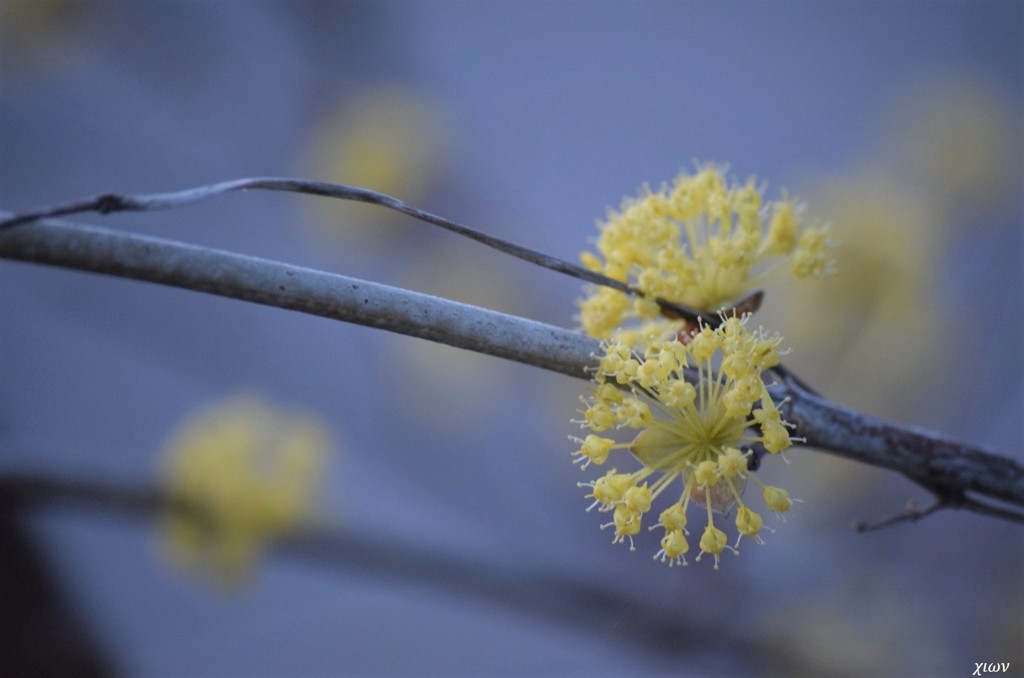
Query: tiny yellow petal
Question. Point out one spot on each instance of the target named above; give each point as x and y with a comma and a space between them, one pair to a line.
777, 499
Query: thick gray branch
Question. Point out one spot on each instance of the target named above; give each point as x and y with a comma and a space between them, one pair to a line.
947, 468
271, 283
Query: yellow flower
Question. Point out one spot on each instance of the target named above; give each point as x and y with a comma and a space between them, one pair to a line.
699, 242
700, 400
240, 474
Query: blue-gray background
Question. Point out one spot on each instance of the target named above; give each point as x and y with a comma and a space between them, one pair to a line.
543, 115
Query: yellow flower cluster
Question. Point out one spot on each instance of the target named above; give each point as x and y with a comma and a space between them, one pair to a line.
699, 242
240, 474
693, 430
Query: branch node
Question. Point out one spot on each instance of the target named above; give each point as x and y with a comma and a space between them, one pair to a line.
111, 202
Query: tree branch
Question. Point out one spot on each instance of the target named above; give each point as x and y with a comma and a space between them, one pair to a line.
531, 588
260, 281
947, 468
108, 203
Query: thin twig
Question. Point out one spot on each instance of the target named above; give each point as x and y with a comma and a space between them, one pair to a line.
954, 501
911, 513
944, 466
108, 203
986, 509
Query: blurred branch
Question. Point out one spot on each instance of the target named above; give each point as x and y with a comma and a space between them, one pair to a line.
950, 470
533, 590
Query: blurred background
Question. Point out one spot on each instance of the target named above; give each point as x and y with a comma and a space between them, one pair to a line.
898, 123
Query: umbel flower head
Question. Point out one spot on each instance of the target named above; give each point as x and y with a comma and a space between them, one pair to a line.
242, 474
697, 406
699, 242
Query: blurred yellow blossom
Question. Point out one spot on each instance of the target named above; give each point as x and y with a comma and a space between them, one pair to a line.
950, 153
700, 242
961, 138
39, 34
878, 319
699, 432
242, 474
